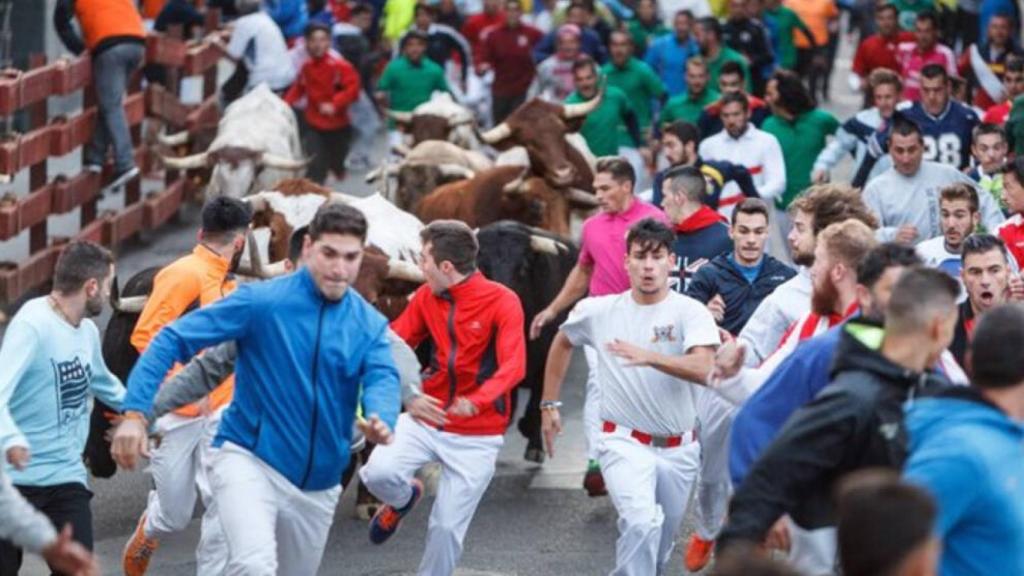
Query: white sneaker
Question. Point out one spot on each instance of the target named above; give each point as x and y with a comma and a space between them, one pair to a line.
123, 178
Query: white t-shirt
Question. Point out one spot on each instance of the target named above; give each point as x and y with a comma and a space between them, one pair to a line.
257, 41
642, 398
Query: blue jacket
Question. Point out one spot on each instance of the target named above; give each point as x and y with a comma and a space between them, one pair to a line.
301, 360
291, 16
721, 276
668, 58
970, 456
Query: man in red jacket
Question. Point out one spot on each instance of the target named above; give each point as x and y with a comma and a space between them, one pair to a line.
330, 85
460, 416
507, 49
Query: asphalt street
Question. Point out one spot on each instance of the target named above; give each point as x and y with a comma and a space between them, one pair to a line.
534, 520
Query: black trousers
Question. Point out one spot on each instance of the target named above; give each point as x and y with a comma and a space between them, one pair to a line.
329, 149
502, 106
62, 504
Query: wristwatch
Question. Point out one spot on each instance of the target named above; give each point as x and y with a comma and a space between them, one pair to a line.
550, 404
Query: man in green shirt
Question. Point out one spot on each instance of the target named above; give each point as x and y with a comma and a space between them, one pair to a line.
636, 79
784, 22
688, 105
716, 53
409, 80
801, 129
646, 26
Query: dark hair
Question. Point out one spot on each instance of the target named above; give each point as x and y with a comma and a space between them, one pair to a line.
579, 4
336, 218
223, 217
731, 68
744, 559
883, 257
928, 16
617, 167
881, 519
917, 295
879, 8
424, 7
932, 71
751, 206
296, 242
996, 361
905, 126
79, 262
711, 24
987, 129
584, 61
361, 8
415, 34
960, 191
1015, 167
684, 12
454, 241
622, 33
732, 98
982, 244
314, 27
683, 130
650, 235
687, 178
793, 93
831, 203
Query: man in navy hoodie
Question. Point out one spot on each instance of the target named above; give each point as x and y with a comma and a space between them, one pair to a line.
701, 233
965, 448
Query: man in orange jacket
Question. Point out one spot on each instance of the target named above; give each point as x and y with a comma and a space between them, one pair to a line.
115, 38
459, 418
179, 465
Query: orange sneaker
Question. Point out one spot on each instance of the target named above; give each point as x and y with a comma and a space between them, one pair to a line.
698, 553
138, 551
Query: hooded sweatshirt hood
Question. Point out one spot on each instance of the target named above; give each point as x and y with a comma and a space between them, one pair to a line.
699, 220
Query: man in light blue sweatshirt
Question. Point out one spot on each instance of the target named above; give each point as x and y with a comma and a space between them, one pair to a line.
52, 367
965, 449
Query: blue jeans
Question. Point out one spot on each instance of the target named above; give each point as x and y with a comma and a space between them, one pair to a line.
111, 70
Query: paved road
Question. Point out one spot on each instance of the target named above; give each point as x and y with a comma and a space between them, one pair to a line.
534, 520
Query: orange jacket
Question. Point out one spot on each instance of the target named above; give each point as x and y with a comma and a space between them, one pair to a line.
102, 19
201, 277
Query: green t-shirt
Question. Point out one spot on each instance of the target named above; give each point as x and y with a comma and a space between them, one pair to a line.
682, 107
409, 85
725, 54
907, 11
640, 85
786, 23
602, 126
801, 141
642, 35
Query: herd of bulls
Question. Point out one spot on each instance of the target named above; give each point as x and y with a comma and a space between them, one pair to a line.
520, 202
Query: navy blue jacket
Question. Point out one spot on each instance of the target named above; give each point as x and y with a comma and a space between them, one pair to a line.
721, 276
702, 236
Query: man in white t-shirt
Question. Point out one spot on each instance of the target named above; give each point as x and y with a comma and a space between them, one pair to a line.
959, 217
652, 345
258, 44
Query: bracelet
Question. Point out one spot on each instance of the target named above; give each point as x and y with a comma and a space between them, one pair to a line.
550, 404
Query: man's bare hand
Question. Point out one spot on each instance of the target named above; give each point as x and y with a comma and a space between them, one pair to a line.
375, 430
327, 108
131, 440
463, 407
69, 557
717, 307
18, 457
728, 362
819, 176
539, 321
551, 427
906, 234
427, 409
1016, 288
633, 355
778, 536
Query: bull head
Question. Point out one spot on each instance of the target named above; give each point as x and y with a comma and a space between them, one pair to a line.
211, 157
546, 245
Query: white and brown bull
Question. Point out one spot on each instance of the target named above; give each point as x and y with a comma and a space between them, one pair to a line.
257, 144
440, 118
424, 168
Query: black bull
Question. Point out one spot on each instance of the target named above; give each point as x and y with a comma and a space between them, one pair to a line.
506, 257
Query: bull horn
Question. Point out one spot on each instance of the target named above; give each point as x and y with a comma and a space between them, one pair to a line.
172, 140
402, 270
456, 170
570, 111
496, 134
453, 122
185, 162
577, 196
516, 185
401, 149
400, 117
274, 270
131, 304
546, 245
282, 163
341, 198
258, 201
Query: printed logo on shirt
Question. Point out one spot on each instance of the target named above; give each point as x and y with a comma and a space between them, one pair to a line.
664, 334
679, 278
522, 41
72, 385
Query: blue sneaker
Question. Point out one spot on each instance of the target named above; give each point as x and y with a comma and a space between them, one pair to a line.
388, 518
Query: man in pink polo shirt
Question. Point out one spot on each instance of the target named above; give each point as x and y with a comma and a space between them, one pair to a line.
600, 270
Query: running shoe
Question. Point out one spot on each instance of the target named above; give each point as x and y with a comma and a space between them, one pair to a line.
139, 550
698, 553
593, 481
388, 519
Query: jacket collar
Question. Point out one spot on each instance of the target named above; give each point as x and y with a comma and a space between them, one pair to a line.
703, 218
468, 285
858, 350
215, 261
305, 278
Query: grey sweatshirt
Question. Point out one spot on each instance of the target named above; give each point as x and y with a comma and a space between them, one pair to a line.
898, 200
20, 523
204, 373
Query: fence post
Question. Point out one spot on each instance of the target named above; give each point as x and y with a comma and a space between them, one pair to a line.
37, 176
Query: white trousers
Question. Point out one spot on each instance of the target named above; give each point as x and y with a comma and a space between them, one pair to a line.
272, 527
467, 465
180, 468
812, 552
715, 416
592, 405
650, 488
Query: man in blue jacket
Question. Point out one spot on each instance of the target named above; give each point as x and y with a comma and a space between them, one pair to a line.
305, 344
966, 450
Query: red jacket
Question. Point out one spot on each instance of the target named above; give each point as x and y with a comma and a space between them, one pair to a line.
510, 52
479, 349
326, 79
877, 51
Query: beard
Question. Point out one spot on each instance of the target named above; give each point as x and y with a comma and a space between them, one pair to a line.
805, 259
94, 306
824, 298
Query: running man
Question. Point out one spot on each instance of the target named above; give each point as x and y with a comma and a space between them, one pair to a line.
653, 346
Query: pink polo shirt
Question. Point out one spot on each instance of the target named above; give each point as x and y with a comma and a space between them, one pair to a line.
603, 246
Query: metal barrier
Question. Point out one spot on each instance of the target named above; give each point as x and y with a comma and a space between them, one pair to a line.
48, 138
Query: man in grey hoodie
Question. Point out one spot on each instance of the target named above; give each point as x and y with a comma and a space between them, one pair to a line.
906, 196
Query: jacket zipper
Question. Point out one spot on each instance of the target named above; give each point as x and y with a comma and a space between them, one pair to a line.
452, 380
316, 397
